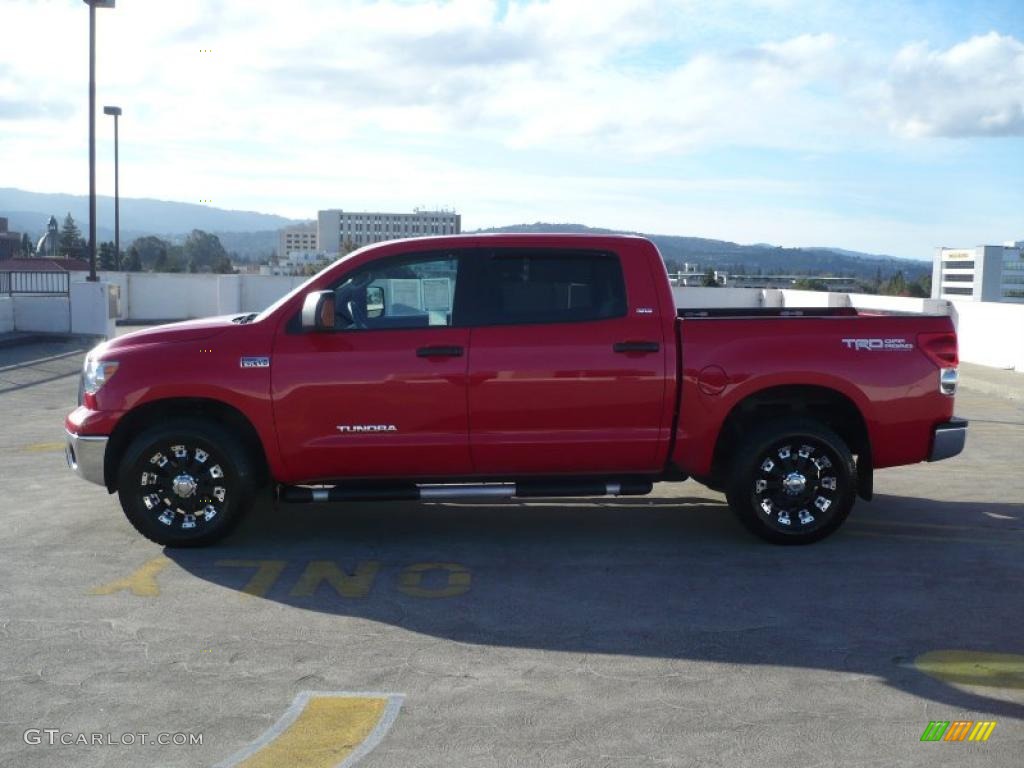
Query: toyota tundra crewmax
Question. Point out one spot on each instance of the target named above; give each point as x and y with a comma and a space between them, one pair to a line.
510, 366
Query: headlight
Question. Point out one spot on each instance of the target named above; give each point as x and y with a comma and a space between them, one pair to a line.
96, 374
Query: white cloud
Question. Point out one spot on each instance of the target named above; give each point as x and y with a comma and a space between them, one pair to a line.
975, 88
390, 104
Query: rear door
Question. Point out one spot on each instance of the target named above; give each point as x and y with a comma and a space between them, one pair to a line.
567, 368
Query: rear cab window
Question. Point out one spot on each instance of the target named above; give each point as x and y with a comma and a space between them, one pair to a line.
524, 286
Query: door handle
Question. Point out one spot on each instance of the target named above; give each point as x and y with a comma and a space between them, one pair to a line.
439, 352
635, 346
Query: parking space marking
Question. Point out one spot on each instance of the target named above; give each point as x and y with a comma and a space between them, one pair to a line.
43, 448
318, 571
458, 580
422, 580
992, 670
267, 574
141, 583
332, 729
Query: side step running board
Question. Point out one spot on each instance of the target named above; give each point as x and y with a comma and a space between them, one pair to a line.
526, 489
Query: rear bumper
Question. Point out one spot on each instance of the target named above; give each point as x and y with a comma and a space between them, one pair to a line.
948, 439
86, 456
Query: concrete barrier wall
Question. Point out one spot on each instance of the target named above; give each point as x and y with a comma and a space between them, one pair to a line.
152, 296
260, 291
991, 333
148, 296
703, 298
6, 314
42, 314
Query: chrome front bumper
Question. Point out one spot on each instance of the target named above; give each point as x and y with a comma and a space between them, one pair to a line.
948, 440
85, 455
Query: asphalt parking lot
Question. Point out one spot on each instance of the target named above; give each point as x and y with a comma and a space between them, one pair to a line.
639, 632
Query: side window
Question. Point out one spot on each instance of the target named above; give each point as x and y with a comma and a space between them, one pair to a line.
407, 292
551, 287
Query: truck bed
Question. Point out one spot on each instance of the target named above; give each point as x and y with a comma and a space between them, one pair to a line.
740, 312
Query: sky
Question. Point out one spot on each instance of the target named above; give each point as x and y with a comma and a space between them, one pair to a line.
888, 127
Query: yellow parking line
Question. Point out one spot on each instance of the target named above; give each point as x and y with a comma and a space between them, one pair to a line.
322, 730
993, 670
142, 582
43, 448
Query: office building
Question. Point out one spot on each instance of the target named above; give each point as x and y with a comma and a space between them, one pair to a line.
982, 273
300, 237
339, 231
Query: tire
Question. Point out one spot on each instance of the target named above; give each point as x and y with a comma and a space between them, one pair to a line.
793, 482
186, 484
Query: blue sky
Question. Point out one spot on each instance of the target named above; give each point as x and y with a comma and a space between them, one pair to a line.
880, 126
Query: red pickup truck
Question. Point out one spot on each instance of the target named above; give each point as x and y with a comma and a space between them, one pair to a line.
510, 366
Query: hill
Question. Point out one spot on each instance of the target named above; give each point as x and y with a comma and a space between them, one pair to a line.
246, 233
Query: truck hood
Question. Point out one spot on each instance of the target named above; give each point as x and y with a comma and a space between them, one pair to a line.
189, 330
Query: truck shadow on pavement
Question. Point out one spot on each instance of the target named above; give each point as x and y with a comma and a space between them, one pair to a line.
667, 578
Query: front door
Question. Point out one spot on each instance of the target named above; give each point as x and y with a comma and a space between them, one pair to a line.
385, 394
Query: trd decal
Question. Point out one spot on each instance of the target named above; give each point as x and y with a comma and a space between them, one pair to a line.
879, 345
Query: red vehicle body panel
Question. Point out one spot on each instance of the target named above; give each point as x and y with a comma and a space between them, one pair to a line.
523, 399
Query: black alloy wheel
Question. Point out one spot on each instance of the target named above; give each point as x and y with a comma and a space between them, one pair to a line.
794, 482
185, 485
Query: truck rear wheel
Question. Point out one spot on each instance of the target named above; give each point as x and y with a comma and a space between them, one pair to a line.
793, 482
185, 484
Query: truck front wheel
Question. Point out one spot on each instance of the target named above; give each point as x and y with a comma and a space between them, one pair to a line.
185, 484
793, 482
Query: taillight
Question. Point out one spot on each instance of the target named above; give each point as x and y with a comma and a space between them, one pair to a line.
940, 348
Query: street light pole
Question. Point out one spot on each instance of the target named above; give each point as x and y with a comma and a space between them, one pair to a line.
116, 112
93, 5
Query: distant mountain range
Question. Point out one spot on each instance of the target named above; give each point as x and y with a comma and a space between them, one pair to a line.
246, 232
253, 236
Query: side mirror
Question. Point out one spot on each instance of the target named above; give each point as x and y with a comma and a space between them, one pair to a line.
318, 311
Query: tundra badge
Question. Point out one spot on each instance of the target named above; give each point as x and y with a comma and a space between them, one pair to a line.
255, 362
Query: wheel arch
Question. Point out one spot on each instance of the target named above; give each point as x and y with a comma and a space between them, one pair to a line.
157, 411
827, 405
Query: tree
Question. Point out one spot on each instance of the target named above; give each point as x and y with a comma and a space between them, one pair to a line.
810, 284
70, 244
133, 262
27, 248
205, 252
108, 257
895, 285
223, 266
348, 246
150, 249
709, 280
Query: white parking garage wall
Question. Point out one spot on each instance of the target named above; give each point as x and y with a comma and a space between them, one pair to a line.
42, 314
6, 314
147, 296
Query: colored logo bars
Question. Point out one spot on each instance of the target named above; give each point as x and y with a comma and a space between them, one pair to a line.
958, 730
